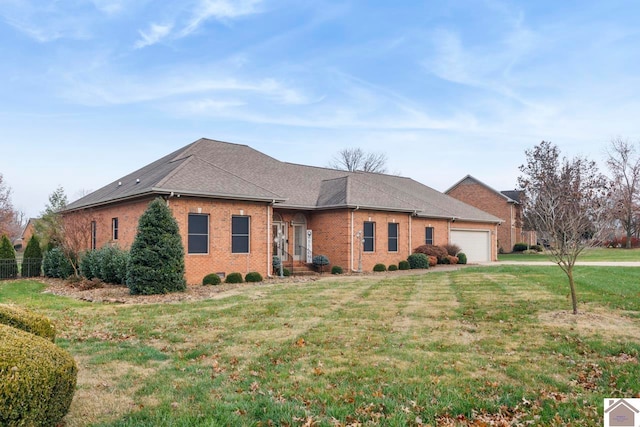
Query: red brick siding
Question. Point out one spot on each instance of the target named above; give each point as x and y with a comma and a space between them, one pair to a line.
510, 231
219, 258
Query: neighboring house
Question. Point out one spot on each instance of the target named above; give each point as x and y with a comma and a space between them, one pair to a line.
237, 208
502, 204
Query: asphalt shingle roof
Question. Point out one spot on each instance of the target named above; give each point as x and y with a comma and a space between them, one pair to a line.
223, 170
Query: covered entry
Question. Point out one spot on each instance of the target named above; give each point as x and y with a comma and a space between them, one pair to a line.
476, 244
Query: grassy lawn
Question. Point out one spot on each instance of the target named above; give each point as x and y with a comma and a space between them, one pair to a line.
591, 254
483, 344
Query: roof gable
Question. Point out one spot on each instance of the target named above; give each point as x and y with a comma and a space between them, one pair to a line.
470, 180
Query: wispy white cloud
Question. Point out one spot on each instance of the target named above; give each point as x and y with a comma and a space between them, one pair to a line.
153, 35
44, 23
109, 7
220, 10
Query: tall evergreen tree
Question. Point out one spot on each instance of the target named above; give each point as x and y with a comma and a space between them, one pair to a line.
8, 263
156, 261
32, 259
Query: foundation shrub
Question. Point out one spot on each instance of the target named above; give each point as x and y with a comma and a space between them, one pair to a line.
113, 265
462, 258
211, 279
55, 264
432, 250
379, 267
452, 259
452, 249
90, 264
393, 267
418, 260
37, 379
234, 278
286, 272
253, 276
520, 247
28, 321
433, 261
404, 265
156, 258
336, 269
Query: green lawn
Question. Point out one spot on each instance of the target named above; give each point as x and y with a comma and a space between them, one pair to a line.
484, 344
590, 254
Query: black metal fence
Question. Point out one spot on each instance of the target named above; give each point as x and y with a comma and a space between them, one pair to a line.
13, 269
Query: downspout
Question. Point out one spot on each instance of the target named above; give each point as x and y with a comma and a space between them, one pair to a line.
351, 240
269, 239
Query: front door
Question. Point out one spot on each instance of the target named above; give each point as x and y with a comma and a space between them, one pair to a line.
299, 241
279, 230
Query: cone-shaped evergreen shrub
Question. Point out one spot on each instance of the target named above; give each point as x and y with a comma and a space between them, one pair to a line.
8, 263
55, 264
32, 259
156, 258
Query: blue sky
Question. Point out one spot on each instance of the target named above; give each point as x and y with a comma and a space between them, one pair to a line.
94, 89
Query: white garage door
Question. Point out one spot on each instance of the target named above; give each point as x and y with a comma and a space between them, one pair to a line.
476, 244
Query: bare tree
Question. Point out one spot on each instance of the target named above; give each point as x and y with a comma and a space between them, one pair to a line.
564, 201
624, 164
75, 234
11, 220
355, 159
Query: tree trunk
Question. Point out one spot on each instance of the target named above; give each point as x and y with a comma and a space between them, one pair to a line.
629, 234
572, 286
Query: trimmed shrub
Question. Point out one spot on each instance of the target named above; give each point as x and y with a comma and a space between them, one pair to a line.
32, 258
90, 265
537, 248
156, 259
253, 276
28, 321
403, 265
113, 265
520, 247
336, 269
286, 272
418, 260
433, 261
379, 267
276, 263
8, 263
233, 278
452, 259
211, 279
37, 379
55, 264
431, 250
320, 260
462, 258
452, 249
393, 267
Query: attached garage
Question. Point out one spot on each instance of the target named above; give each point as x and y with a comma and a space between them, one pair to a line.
476, 244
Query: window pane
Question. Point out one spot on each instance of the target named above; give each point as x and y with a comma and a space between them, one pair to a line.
393, 237
369, 236
198, 244
240, 234
198, 224
429, 236
198, 234
240, 225
240, 244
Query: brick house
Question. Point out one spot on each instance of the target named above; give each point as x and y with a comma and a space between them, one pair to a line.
237, 208
502, 204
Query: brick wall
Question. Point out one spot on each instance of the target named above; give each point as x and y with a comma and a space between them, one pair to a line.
474, 194
219, 259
